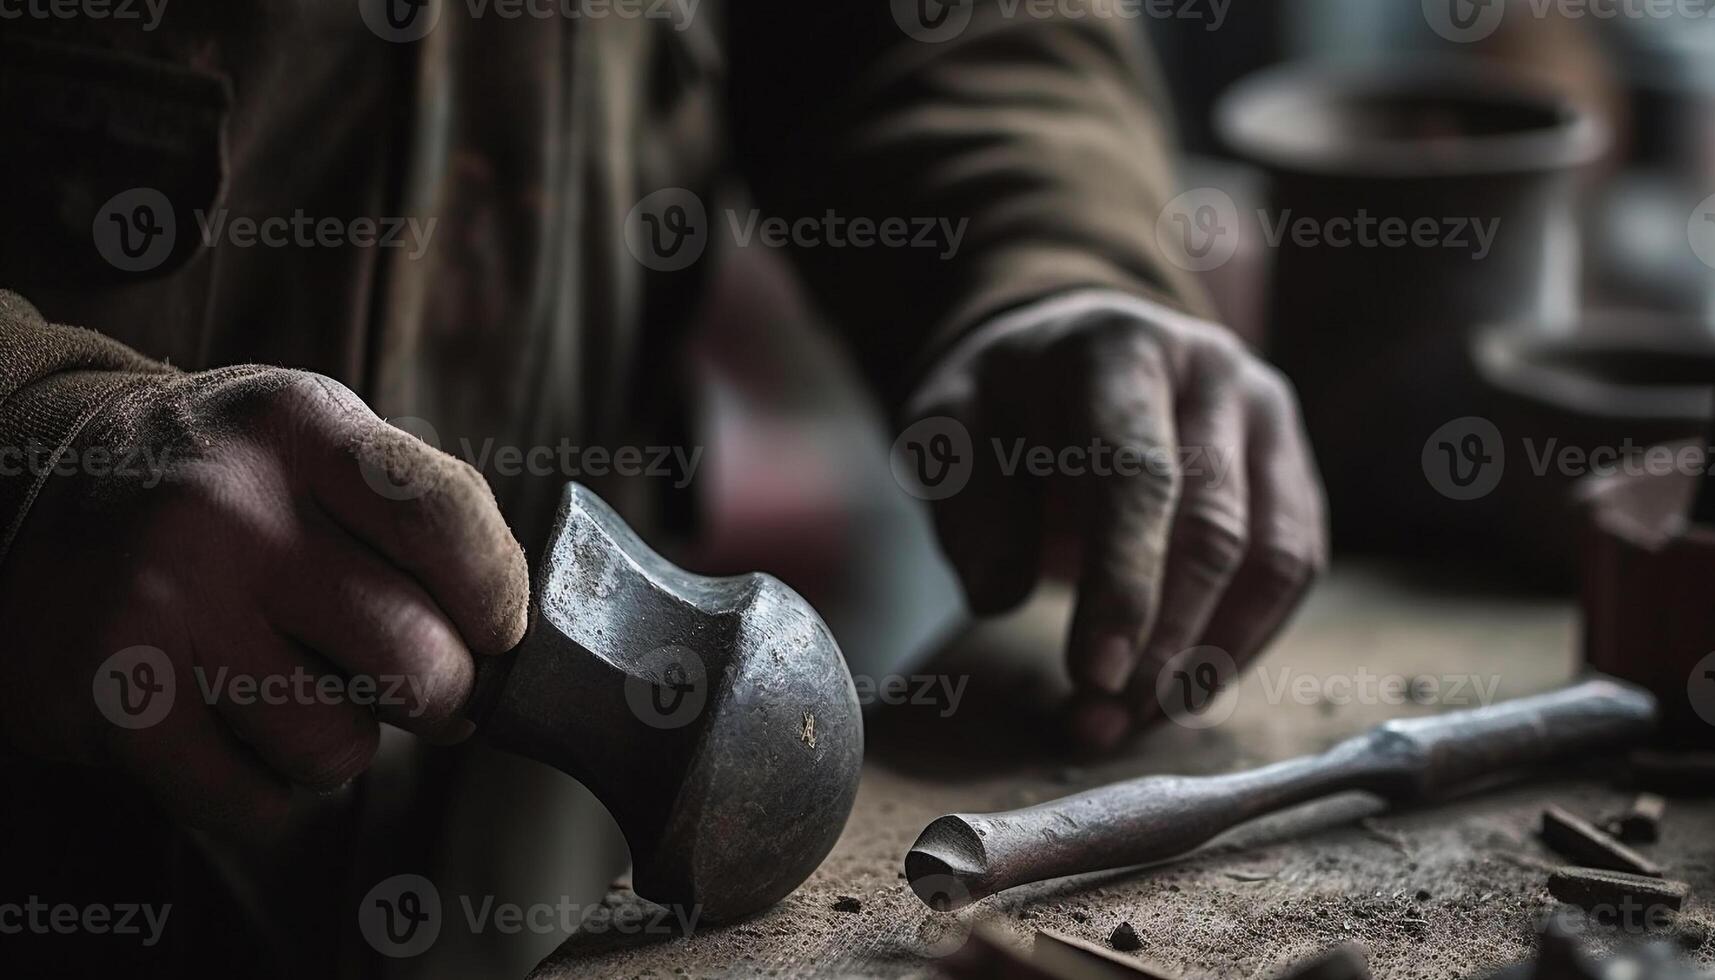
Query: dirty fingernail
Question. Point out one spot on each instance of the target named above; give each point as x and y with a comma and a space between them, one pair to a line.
1111, 665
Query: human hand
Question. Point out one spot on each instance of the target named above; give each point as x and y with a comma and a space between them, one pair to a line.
1203, 527
280, 532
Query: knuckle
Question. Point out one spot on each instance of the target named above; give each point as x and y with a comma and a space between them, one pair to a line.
1214, 540
1128, 607
1164, 491
248, 392
1219, 347
1108, 339
1218, 374
309, 394
1271, 385
1288, 570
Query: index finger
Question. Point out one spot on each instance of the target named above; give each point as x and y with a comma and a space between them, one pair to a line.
1127, 511
426, 511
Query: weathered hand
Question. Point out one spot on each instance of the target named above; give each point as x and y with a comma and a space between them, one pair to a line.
282, 569
1154, 460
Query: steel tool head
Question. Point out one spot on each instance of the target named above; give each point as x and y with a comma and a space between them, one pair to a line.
714, 717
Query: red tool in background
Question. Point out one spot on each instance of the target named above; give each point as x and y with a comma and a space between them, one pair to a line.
1649, 587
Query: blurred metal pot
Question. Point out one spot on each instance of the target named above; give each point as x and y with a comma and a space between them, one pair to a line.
1592, 401
1648, 577
1464, 174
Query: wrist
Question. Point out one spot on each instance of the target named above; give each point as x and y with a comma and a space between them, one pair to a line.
1040, 320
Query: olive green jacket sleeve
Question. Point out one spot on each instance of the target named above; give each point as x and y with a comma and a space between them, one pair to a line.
53, 380
1040, 136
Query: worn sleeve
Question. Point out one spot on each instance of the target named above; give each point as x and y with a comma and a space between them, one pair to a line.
1039, 131
53, 379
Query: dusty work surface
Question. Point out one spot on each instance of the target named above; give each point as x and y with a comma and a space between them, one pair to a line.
1449, 891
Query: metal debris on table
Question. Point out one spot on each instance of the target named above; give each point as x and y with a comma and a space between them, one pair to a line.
1596, 889
1642, 823
1579, 840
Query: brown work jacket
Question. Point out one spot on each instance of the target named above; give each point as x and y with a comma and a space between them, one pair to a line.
533, 137
560, 159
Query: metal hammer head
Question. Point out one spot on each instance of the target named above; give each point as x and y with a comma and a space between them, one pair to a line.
714, 717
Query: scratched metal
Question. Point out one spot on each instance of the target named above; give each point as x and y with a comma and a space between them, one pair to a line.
714, 717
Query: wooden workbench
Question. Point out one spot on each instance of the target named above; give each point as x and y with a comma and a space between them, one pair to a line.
1442, 892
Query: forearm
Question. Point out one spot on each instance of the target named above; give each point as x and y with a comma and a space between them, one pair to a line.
53, 379
1033, 141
